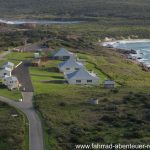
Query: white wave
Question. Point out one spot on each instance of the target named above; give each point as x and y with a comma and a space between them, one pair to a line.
7, 22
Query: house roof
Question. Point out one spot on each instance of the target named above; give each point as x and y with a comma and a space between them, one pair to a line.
109, 82
63, 52
13, 78
8, 69
71, 63
9, 64
82, 74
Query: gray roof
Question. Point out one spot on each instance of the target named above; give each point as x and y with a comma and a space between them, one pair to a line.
71, 63
9, 64
8, 69
13, 78
81, 74
109, 82
63, 52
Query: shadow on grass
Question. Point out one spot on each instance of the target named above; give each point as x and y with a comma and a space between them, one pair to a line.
40, 75
29, 57
55, 81
2, 86
51, 69
58, 77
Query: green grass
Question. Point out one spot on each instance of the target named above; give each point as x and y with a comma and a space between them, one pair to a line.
76, 8
68, 117
13, 95
26, 136
17, 57
14, 57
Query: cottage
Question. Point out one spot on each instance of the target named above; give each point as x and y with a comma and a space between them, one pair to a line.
82, 77
5, 72
109, 84
11, 82
36, 62
70, 66
63, 54
8, 65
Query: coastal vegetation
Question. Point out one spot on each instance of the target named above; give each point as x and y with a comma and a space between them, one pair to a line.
76, 8
116, 110
69, 118
75, 35
12, 129
122, 115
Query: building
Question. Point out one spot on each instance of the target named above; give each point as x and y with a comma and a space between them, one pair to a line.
82, 77
36, 62
5, 72
109, 84
70, 66
11, 82
8, 65
63, 54
37, 55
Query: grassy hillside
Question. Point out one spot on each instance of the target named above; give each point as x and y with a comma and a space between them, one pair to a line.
120, 117
79, 8
12, 129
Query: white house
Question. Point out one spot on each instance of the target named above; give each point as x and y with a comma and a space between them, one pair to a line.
82, 77
11, 82
5, 72
70, 66
63, 54
109, 84
8, 65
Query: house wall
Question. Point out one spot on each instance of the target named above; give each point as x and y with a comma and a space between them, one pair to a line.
62, 57
4, 72
109, 85
71, 69
10, 83
84, 81
8, 66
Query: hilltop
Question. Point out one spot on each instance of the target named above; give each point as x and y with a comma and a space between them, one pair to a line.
77, 8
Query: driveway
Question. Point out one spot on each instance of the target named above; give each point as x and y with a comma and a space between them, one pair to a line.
23, 76
35, 127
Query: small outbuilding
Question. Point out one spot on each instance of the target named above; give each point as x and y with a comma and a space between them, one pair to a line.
36, 62
37, 55
82, 77
8, 65
109, 84
63, 54
5, 72
11, 82
70, 66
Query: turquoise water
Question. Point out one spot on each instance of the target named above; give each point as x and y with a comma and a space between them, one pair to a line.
142, 49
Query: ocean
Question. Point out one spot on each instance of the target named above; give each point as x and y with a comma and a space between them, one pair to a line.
142, 47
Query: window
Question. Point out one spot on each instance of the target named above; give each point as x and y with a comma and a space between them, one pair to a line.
76, 68
66, 57
67, 68
5, 74
78, 81
89, 81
